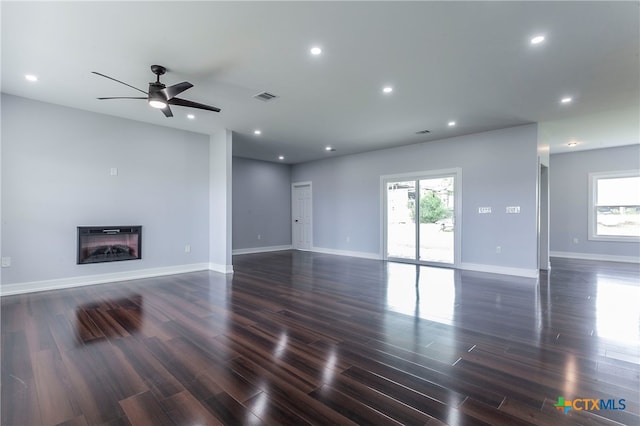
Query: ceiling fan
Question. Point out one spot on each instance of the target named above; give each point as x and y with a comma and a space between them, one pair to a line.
160, 96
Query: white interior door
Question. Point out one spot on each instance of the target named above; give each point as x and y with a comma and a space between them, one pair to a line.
301, 231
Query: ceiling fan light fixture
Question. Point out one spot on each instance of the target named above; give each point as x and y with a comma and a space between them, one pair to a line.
154, 103
537, 39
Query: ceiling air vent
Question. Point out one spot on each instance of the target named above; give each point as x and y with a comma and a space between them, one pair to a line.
265, 96
422, 132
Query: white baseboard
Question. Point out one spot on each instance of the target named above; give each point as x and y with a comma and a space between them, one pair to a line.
261, 249
360, 254
60, 283
223, 269
503, 270
592, 256
520, 272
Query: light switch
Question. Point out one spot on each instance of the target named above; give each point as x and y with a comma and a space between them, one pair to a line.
114, 171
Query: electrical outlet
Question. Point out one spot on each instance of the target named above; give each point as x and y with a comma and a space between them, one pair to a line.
498, 249
575, 240
348, 239
187, 248
6, 262
114, 171
259, 236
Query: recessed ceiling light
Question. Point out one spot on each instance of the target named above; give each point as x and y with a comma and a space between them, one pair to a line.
572, 143
31, 77
315, 50
191, 116
451, 123
537, 39
566, 100
387, 89
257, 132
281, 157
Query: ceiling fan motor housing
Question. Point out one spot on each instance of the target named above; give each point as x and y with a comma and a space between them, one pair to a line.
155, 89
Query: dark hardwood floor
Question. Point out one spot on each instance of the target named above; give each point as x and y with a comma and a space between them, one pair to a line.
301, 338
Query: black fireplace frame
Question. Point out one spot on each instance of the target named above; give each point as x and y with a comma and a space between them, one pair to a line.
88, 231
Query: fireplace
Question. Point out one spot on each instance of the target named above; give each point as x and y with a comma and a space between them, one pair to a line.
98, 244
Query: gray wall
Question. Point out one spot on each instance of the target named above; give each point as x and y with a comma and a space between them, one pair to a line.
499, 169
56, 165
261, 204
569, 177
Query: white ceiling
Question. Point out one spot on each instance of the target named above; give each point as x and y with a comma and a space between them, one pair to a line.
465, 61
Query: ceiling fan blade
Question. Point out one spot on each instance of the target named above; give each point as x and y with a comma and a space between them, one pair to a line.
176, 89
118, 81
191, 104
167, 111
120, 97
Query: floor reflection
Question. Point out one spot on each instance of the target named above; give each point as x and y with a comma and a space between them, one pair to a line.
506, 306
104, 318
617, 309
424, 292
600, 316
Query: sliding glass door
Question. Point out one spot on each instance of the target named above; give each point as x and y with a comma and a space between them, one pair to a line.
420, 218
401, 237
437, 227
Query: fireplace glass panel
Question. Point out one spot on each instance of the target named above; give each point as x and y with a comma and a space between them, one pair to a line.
108, 244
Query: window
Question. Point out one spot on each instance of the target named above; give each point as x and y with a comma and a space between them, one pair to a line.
614, 206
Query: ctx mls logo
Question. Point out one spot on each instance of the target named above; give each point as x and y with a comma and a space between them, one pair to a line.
589, 404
